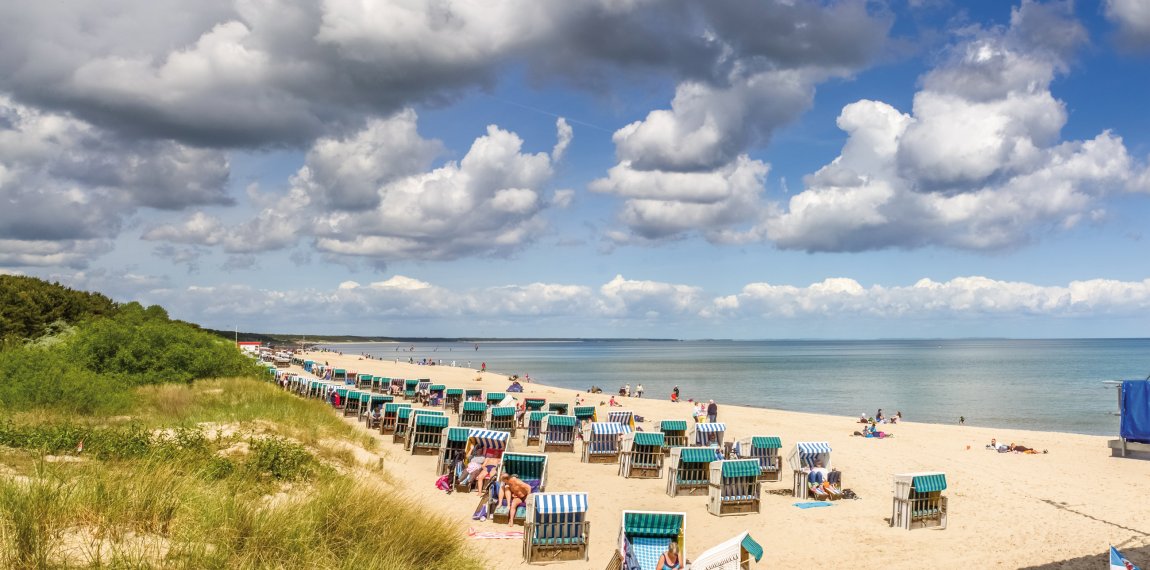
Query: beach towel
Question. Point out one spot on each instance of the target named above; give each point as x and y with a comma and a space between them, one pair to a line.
510, 534
814, 504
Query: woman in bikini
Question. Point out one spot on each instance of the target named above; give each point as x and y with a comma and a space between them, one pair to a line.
669, 560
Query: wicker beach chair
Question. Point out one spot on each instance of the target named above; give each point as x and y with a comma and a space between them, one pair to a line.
705, 434
802, 459
452, 398
556, 527
390, 416
501, 418
351, 403
918, 500
473, 396
402, 423
339, 375
559, 408
482, 439
534, 404
436, 394
534, 424
585, 413
380, 385
557, 433
426, 435
641, 456
734, 487
376, 402
363, 382
644, 537
764, 448
342, 398
601, 442
474, 414
421, 390
495, 398
454, 441
688, 470
735, 553
396, 386
674, 434
531, 468
409, 389
622, 417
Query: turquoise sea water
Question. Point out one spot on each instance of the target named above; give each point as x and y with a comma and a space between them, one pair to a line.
1049, 385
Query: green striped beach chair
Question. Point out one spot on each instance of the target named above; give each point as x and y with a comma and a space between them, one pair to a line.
531, 468
688, 470
409, 389
473, 395
364, 406
733, 553
435, 395
390, 416
451, 399
764, 448
601, 442
585, 413
558, 408
379, 384
339, 375
534, 404
351, 406
415, 413
674, 434
427, 433
363, 382
402, 423
473, 414
534, 423
454, 441
501, 418
918, 500
495, 398
557, 433
556, 527
734, 487
342, 397
644, 537
641, 456
375, 401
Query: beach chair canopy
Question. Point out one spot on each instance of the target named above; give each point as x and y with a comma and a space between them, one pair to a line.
654, 525
805, 453
673, 425
625, 417
717, 427
502, 412
403, 413
473, 393
766, 442
340, 372
495, 396
719, 555
609, 428
582, 412
557, 420
393, 407
1135, 408
560, 503
431, 421
437, 388
740, 468
381, 399
474, 407
922, 482
458, 434
455, 391
410, 383
702, 455
488, 439
538, 416
422, 386
526, 466
557, 407
649, 438
397, 382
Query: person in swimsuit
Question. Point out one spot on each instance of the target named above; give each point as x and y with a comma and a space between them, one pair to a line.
514, 491
669, 560
487, 470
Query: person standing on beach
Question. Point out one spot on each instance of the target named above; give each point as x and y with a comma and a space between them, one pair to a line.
627, 391
639, 391
712, 412
675, 394
483, 367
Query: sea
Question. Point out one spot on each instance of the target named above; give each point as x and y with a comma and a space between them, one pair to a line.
1045, 385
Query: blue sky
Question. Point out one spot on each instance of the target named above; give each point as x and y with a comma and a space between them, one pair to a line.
734, 169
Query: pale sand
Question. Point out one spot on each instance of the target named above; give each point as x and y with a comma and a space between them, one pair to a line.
1061, 509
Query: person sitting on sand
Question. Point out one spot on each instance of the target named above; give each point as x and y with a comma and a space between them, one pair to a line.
614, 404
514, 491
669, 560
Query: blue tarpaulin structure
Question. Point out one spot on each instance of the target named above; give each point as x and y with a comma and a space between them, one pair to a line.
1135, 424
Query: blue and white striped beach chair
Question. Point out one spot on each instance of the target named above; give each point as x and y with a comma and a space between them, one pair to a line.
802, 459
556, 527
623, 417
707, 434
601, 442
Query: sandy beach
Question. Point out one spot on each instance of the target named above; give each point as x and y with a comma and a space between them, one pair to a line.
1056, 510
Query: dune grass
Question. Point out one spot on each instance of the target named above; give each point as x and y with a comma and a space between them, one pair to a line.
159, 491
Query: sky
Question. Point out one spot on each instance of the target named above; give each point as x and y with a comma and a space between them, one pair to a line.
630, 168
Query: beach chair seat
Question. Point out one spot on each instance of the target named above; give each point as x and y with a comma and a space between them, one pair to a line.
555, 527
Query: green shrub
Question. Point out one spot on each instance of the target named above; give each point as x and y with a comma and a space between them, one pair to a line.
280, 458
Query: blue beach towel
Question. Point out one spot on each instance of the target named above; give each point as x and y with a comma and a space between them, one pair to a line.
813, 504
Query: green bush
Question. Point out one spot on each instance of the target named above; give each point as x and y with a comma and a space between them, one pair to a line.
280, 458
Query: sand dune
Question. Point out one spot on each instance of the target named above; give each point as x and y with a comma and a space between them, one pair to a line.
1058, 510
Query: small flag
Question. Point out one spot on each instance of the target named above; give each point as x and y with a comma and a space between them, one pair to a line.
80, 447
1119, 562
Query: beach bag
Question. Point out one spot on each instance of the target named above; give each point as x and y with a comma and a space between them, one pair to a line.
442, 483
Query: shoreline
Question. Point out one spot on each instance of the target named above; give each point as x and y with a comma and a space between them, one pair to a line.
995, 498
